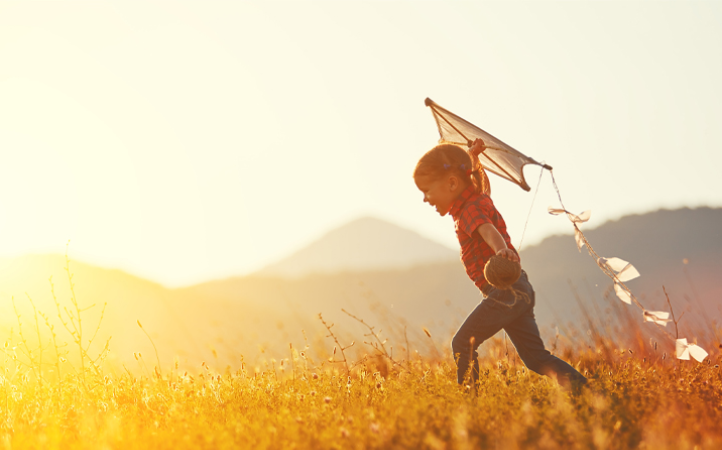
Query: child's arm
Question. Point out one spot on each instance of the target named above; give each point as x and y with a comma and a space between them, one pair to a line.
492, 237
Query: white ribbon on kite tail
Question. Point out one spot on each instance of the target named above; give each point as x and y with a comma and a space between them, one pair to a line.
623, 271
658, 317
575, 219
684, 350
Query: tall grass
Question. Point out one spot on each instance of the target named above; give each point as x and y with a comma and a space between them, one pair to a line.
359, 393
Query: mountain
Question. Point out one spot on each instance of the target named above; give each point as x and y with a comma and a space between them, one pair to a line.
128, 299
190, 329
364, 244
568, 283
678, 249
258, 316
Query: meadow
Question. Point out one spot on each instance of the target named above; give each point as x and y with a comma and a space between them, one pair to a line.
340, 391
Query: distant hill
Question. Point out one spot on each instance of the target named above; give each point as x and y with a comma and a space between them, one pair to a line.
129, 298
440, 295
192, 329
656, 243
259, 315
364, 244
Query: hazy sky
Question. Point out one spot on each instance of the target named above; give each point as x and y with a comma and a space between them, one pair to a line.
183, 141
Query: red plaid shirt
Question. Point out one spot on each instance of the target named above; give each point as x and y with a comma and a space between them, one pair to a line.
470, 211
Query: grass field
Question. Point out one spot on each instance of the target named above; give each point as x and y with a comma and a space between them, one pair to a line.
56, 393
633, 402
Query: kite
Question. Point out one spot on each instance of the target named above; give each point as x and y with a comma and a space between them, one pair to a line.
508, 163
498, 158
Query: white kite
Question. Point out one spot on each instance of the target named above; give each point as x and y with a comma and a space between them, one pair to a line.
498, 157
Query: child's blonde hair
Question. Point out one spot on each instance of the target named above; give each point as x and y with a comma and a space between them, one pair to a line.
452, 159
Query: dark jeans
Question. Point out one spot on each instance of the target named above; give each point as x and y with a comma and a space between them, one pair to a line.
514, 312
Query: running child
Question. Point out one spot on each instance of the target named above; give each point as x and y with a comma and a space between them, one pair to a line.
452, 180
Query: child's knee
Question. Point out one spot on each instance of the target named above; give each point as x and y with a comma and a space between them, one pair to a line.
461, 343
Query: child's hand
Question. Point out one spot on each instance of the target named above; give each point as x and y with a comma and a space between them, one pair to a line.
508, 254
477, 147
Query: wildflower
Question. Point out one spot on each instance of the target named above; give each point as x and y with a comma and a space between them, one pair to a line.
314, 376
327, 399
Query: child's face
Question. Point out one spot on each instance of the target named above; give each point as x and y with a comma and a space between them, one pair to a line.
439, 192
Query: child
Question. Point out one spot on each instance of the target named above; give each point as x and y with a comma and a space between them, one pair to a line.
453, 181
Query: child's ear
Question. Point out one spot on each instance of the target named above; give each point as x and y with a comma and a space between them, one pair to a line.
453, 182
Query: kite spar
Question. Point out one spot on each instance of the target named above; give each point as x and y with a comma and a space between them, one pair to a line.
498, 157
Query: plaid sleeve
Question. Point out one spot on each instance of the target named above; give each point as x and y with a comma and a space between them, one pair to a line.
472, 218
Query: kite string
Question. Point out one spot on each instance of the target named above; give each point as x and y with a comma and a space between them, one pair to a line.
556, 188
528, 216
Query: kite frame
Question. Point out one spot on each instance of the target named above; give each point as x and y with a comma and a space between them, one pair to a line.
522, 182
